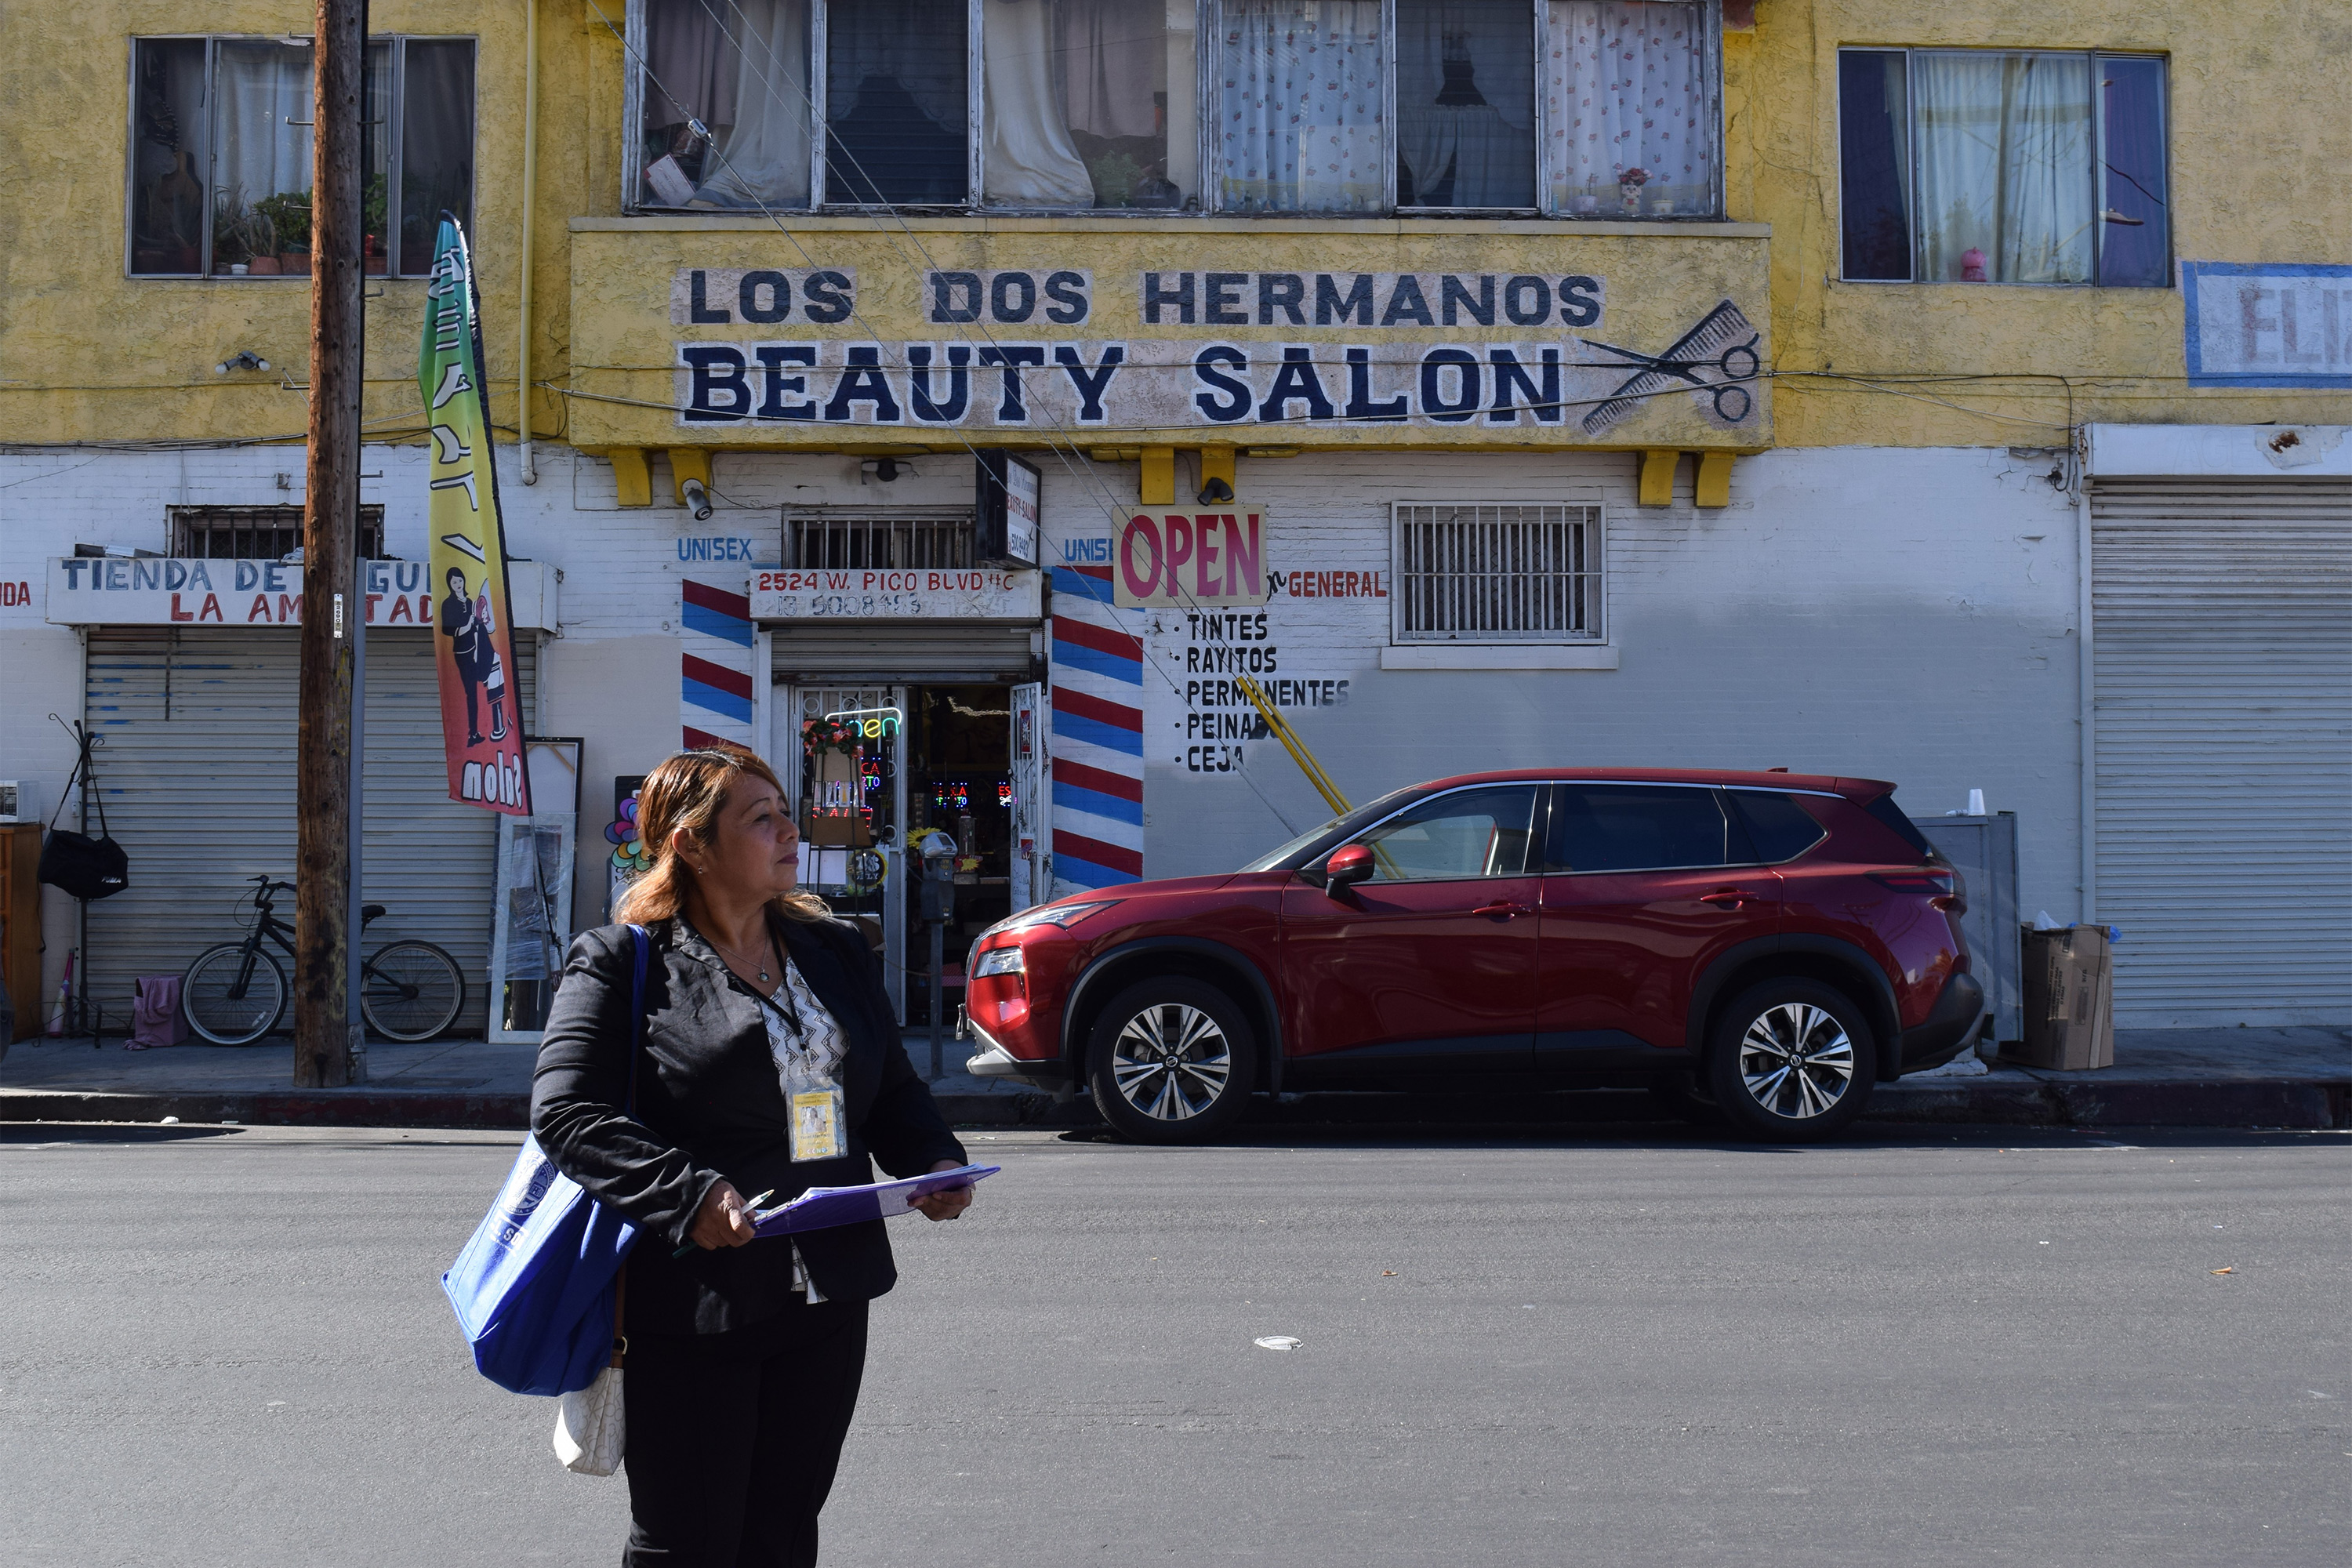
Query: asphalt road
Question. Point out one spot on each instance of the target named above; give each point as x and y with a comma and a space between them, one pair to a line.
1619, 1346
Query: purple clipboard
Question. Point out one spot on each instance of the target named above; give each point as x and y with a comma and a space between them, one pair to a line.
821, 1208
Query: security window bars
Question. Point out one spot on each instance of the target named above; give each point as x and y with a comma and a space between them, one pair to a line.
1994, 166
219, 177
1595, 109
877, 541
257, 532
1497, 573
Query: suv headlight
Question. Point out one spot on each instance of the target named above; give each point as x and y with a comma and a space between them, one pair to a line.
1063, 915
999, 960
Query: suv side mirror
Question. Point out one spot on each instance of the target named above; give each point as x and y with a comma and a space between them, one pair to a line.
1347, 868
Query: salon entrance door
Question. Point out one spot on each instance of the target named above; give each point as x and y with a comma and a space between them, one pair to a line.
840, 751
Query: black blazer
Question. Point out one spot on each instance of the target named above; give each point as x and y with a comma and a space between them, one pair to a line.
709, 1105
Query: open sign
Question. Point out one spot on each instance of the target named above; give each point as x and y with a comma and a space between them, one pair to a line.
1187, 559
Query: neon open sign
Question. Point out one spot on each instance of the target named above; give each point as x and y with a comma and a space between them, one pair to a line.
869, 723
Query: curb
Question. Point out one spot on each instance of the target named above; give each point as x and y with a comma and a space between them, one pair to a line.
2040, 1103
2031, 1104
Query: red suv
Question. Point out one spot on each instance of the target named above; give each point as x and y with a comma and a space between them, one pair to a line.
1771, 944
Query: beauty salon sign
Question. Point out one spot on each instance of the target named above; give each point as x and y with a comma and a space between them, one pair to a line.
1177, 330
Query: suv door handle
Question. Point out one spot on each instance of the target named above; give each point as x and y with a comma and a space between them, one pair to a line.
1502, 908
1727, 897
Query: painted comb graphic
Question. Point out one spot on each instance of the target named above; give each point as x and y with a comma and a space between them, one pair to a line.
1717, 356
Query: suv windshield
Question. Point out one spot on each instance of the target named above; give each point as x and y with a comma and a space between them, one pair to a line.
1297, 851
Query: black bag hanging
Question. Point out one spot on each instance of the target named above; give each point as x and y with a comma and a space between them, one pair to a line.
85, 868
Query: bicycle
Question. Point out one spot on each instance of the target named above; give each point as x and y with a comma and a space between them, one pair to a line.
235, 993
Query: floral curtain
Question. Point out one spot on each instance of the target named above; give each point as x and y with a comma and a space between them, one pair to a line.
2004, 150
1301, 106
1632, 119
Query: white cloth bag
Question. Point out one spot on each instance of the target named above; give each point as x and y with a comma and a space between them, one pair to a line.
590, 1437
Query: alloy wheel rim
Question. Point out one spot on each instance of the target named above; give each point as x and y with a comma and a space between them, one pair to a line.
1796, 1061
1171, 1061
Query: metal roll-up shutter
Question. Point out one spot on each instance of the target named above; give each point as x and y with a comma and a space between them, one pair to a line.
837, 652
2222, 657
197, 772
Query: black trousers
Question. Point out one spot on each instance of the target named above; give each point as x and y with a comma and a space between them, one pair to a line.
733, 1438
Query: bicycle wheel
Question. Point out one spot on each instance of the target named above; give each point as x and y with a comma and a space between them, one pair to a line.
411, 991
233, 995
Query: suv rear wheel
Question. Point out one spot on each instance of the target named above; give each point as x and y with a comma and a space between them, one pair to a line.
1171, 1061
1791, 1061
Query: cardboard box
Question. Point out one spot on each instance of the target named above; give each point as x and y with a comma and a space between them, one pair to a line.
2070, 1023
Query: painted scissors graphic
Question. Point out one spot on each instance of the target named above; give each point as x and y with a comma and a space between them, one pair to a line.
1723, 343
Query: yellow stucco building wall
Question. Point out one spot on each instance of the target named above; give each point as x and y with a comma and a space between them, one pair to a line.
2261, 133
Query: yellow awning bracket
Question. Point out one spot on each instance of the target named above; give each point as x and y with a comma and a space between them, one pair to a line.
1658, 478
1157, 482
632, 480
1714, 487
689, 463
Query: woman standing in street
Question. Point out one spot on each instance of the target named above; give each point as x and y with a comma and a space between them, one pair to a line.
771, 1062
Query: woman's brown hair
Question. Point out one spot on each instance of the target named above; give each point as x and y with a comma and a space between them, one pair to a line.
688, 790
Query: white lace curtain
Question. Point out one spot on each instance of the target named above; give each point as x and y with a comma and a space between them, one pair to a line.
1625, 85
263, 86
2004, 148
1301, 106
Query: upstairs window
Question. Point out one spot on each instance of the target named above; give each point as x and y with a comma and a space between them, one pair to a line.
1599, 108
257, 532
1496, 574
221, 154
1986, 166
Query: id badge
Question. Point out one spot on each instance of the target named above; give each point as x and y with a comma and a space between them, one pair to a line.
816, 1123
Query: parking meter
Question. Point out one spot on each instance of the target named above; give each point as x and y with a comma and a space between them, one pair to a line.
936, 906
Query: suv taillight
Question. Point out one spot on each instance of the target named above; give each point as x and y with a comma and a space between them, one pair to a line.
1945, 888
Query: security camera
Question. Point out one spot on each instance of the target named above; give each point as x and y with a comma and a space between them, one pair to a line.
698, 499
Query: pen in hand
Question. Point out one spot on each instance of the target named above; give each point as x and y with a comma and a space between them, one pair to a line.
748, 1212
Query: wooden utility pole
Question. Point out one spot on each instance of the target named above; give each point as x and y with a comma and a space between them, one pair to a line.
327, 1043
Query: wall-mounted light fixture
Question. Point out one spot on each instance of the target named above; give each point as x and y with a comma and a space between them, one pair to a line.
244, 359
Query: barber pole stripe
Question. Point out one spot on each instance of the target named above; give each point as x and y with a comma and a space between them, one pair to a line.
1096, 703
716, 642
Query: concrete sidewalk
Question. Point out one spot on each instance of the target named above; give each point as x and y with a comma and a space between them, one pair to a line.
442, 1083
2175, 1077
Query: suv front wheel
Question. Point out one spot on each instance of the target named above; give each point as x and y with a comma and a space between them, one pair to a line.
1791, 1061
1171, 1061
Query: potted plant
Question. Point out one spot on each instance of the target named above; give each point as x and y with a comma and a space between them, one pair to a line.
374, 215
232, 247
288, 216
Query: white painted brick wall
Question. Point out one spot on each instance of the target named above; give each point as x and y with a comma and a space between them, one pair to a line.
1893, 613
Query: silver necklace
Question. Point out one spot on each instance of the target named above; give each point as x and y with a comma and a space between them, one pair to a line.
765, 978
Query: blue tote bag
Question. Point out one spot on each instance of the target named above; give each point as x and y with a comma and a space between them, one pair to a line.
534, 1288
